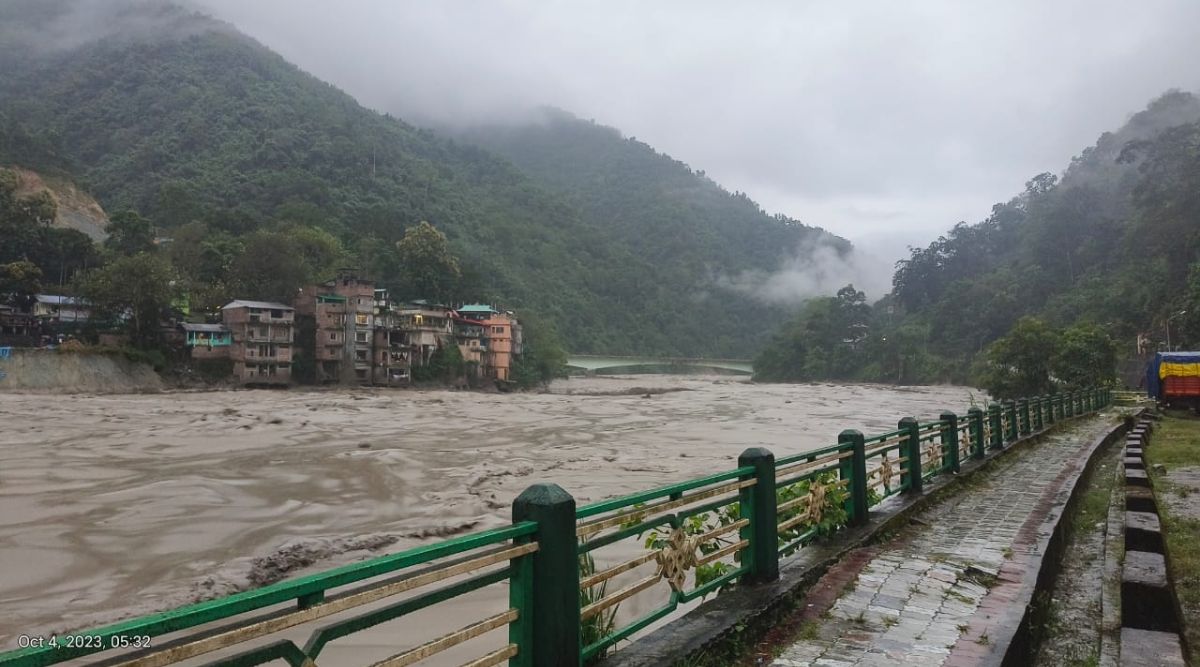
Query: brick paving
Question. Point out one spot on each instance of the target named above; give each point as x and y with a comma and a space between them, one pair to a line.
931, 596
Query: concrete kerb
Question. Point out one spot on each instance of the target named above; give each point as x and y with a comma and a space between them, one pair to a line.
745, 613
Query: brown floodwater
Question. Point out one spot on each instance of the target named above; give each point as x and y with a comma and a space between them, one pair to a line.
115, 505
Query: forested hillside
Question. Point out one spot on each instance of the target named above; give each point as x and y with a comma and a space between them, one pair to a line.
1108, 251
220, 143
678, 231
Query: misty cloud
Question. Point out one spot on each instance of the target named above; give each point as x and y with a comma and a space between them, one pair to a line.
828, 113
815, 269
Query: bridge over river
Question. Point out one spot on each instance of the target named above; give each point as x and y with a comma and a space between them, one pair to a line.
592, 362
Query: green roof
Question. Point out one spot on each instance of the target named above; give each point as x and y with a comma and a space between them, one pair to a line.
330, 298
477, 308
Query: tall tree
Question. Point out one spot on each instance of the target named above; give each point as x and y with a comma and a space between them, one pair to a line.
129, 233
427, 267
137, 289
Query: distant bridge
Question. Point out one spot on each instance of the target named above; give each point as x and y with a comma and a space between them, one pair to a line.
592, 362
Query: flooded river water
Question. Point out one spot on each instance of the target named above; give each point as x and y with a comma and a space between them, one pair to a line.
112, 505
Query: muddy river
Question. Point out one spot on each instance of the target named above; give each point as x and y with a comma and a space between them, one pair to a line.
113, 505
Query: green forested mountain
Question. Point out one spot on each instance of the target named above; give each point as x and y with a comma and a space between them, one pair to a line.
675, 229
1112, 248
224, 146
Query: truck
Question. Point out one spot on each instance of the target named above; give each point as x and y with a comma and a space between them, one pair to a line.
1173, 379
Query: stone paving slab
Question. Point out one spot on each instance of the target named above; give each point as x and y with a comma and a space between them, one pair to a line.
929, 597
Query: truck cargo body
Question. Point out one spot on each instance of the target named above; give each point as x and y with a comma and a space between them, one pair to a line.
1173, 379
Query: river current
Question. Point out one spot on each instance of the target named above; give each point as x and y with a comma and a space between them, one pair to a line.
115, 505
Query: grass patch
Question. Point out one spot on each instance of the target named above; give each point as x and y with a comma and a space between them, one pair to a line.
1176, 444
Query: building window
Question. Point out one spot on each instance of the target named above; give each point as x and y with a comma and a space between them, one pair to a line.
497, 330
360, 336
360, 318
360, 355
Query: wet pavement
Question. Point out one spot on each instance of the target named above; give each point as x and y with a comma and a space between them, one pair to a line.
936, 595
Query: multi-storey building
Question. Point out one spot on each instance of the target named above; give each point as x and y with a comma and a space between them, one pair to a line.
338, 324
501, 339
262, 337
391, 354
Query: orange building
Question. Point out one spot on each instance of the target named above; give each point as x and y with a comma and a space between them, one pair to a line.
500, 331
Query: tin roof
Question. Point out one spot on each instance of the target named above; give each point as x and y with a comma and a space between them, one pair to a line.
205, 328
268, 305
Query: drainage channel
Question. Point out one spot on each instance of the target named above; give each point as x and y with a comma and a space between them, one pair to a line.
1149, 611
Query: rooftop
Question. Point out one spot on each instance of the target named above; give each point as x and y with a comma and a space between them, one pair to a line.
60, 300
477, 308
205, 328
267, 305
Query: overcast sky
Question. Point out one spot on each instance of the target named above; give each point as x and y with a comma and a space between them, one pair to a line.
885, 122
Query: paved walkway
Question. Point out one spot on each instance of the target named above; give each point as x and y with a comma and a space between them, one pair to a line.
931, 596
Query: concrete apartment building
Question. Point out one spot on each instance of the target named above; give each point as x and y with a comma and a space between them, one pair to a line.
337, 319
262, 334
502, 338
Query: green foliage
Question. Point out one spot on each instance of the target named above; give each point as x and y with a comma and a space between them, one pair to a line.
19, 280
599, 626
446, 364
543, 358
129, 233
1036, 359
1020, 363
1086, 357
138, 289
428, 269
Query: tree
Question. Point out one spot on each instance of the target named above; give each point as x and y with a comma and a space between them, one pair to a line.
129, 233
138, 288
1020, 363
543, 357
19, 281
427, 267
1086, 357
22, 219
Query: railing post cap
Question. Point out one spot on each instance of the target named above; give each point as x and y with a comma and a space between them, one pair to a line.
907, 421
849, 434
975, 410
543, 493
948, 415
755, 454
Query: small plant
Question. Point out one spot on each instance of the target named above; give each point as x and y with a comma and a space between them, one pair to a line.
595, 628
861, 619
890, 621
963, 628
809, 631
1008, 553
983, 640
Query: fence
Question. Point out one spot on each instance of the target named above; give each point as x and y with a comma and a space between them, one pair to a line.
693, 538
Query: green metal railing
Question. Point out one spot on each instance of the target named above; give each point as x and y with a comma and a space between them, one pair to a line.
558, 561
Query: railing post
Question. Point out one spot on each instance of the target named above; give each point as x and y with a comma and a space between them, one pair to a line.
760, 500
975, 415
855, 469
950, 439
1025, 425
1036, 408
912, 450
554, 636
1050, 410
1010, 410
1071, 404
995, 424
1060, 410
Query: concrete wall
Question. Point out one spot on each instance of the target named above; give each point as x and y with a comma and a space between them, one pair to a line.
75, 372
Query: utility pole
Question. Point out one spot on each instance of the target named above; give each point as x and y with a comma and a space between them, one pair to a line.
1179, 314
